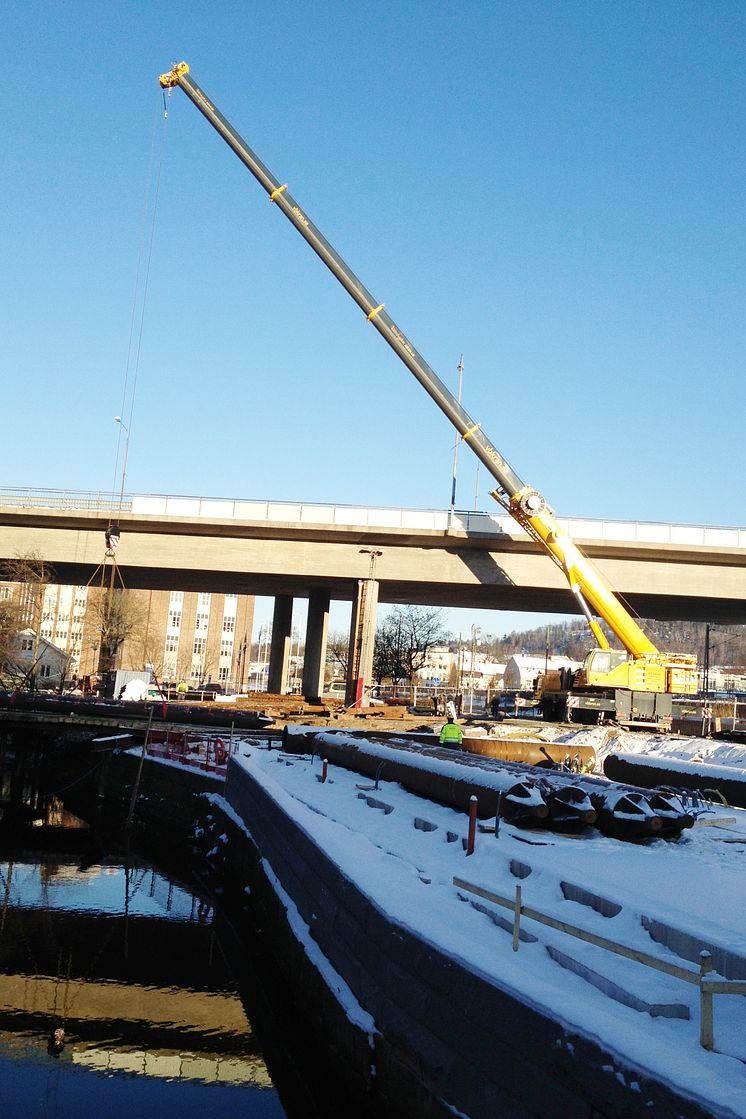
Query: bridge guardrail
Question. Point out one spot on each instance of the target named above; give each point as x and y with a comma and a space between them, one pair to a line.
89, 502
308, 513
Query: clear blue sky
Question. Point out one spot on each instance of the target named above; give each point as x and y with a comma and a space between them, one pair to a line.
553, 190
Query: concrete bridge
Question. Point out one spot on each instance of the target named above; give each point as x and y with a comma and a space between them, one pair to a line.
366, 555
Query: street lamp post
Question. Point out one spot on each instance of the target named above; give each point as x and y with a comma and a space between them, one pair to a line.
475, 633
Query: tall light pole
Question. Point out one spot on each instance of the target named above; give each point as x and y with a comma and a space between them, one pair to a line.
475, 633
452, 509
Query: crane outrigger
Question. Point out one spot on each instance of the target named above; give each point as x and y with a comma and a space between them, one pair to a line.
637, 682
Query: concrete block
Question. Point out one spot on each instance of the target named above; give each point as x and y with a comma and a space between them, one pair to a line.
519, 869
616, 992
504, 923
424, 825
604, 906
729, 964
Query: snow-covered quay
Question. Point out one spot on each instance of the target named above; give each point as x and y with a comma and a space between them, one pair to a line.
375, 903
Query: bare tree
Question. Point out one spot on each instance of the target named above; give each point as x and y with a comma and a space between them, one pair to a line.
10, 624
387, 652
337, 651
117, 616
30, 574
403, 641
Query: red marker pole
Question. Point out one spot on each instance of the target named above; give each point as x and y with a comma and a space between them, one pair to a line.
472, 825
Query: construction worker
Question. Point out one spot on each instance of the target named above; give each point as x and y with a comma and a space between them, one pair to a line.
451, 734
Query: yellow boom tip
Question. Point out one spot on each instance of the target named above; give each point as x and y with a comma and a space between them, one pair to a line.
172, 77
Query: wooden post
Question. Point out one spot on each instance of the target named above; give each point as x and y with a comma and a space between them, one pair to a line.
472, 825
324, 768
706, 1035
517, 918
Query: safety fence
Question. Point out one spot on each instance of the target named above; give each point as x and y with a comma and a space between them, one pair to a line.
197, 751
708, 986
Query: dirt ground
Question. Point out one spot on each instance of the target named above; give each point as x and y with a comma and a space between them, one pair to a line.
332, 713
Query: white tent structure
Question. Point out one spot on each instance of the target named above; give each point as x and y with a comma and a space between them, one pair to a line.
521, 670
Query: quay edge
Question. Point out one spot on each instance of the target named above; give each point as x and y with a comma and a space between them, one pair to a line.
416, 1033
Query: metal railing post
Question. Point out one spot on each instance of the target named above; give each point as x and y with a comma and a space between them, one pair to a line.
706, 1032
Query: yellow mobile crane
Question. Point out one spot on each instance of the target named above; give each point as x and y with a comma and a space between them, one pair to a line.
635, 683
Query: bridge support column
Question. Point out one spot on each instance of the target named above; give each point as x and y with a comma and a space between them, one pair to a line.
362, 640
315, 654
279, 651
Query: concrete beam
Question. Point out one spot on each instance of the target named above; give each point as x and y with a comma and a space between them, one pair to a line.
499, 571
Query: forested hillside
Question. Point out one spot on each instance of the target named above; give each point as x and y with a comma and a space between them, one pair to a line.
574, 640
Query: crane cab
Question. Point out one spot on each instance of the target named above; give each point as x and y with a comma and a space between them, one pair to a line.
668, 673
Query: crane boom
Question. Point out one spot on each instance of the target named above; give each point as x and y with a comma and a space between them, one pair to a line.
525, 504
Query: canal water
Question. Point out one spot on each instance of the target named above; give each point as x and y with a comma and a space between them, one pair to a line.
115, 998
122, 990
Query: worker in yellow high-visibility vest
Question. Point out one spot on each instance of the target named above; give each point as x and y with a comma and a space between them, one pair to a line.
451, 734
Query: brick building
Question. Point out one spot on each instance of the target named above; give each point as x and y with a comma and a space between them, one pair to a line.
183, 635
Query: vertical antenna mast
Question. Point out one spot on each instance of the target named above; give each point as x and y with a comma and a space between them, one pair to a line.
455, 446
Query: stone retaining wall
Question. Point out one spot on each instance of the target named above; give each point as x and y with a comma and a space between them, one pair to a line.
446, 1040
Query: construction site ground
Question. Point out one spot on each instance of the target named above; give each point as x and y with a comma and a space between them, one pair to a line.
294, 709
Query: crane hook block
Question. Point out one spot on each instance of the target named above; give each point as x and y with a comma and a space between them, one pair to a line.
169, 80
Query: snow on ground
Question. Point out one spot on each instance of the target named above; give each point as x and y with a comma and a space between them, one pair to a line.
612, 740
695, 883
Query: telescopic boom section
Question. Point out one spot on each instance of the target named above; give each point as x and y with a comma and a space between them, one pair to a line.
374, 311
523, 503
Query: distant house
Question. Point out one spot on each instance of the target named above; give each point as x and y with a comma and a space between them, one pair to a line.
725, 680
521, 670
48, 661
451, 664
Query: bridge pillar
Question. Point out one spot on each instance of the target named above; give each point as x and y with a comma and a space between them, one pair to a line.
362, 640
279, 651
315, 654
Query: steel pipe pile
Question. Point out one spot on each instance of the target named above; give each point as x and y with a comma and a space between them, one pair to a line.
726, 782
158, 710
515, 795
627, 811
524, 795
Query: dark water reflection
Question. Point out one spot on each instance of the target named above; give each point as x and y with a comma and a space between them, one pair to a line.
123, 963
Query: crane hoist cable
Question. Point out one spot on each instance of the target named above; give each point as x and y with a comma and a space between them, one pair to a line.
146, 238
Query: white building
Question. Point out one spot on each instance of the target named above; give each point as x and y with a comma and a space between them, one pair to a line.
451, 665
521, 670
31, 653
724, 680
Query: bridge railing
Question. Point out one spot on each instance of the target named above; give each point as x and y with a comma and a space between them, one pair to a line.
91, 502
305, 514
